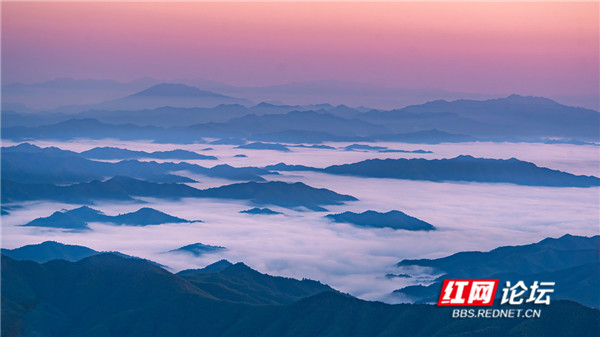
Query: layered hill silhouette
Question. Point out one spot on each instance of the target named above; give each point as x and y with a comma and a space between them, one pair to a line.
312, 121
284, 129
88, 128
461, 168
117, 153
137, 298
79, 218
31, 164
289, 195
570, 261
391, 219
512, 116
170, 116
60, 92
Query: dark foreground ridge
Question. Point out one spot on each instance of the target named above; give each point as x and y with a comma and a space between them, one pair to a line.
570, 261
242, 284
137, 298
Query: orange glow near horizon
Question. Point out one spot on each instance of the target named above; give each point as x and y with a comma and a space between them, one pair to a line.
537, 48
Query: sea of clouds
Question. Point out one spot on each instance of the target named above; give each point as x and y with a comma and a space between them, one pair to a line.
300, 243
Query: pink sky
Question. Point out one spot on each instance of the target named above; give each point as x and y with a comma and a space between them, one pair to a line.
527, 48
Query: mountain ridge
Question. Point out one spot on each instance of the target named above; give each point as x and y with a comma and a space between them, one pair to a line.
288, 195
460, 168
372, 219
46, 300
571, 261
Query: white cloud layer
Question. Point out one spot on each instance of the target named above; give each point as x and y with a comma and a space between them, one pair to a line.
469, 216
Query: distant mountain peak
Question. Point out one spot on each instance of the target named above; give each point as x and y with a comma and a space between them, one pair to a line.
147, 210
256, 210
26, 147
198, 249
84, 211
211, 268
78, 219
49, 250
265, 105
221, 264
464, 156
51, 243
372, 219
175, 90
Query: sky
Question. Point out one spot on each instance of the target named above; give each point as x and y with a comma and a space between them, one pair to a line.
539, 48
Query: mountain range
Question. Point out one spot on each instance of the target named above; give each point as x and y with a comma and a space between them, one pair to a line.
136, 298
159, 112
79, 218
52, 250
307, 128
461, 168
313, 121
289, 195
60, 92
161, 95
68, 91
31, 164
117, 153
570, 261
242, 284
517, 116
